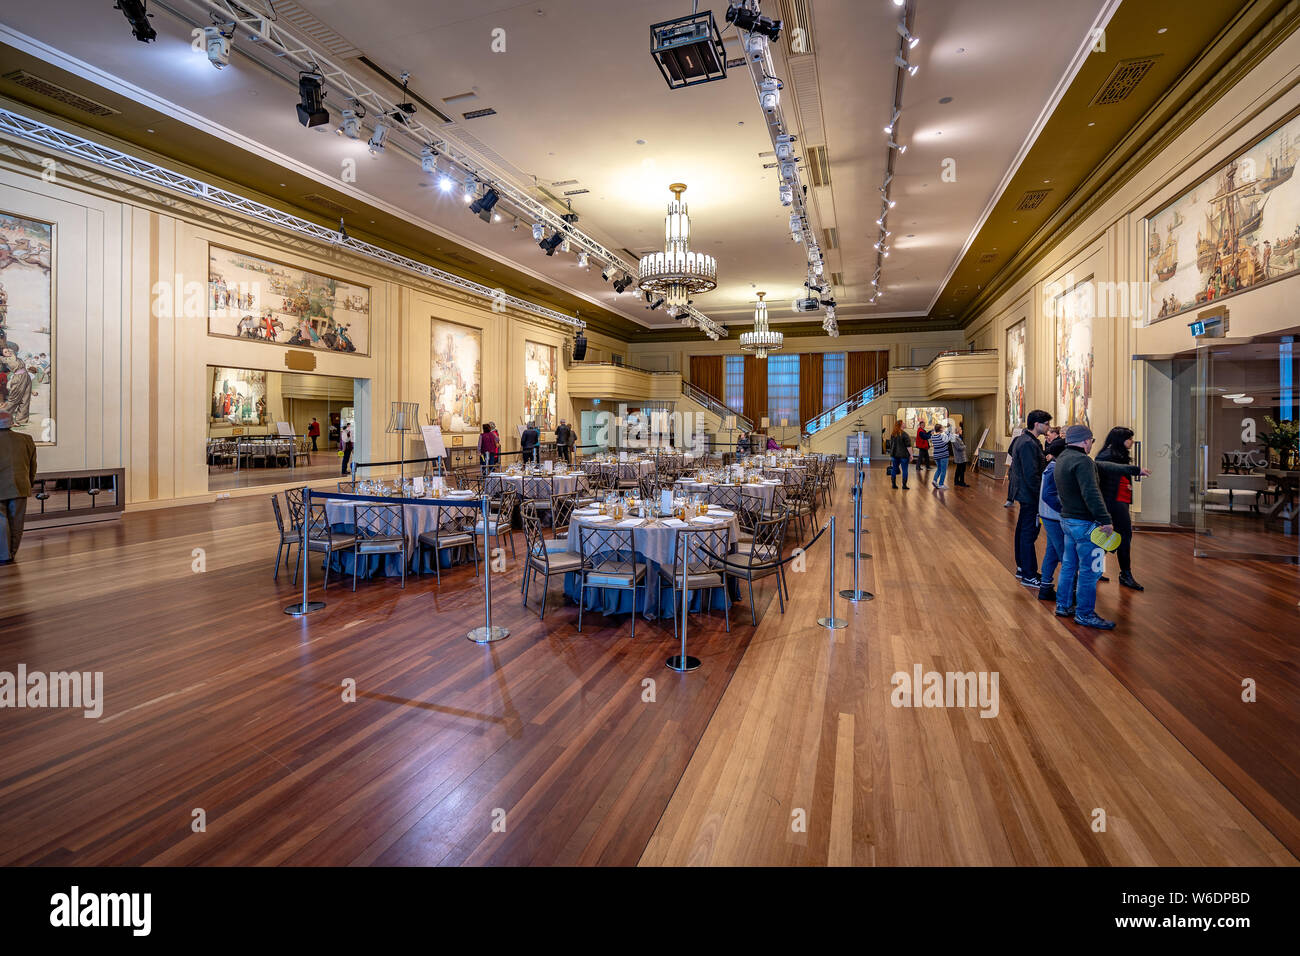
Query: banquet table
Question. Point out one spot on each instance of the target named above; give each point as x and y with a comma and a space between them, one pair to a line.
419, 519
561, 484
642, 467
765, 489
656, 542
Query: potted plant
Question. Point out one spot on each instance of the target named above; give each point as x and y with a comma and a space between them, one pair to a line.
1283, 443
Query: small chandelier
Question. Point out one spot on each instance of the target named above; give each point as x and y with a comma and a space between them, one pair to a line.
676, 274
762, 340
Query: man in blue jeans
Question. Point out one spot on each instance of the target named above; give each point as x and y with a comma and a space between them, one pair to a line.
939, 451
1082, 510
1027, 464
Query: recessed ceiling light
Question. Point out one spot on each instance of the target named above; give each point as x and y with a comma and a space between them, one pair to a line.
1092, 124
961, 49
1162, 30
640, 142
281, 184
148, 131
1046, 180
945, 100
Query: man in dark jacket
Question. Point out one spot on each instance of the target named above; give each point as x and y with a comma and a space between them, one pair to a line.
17, 472
1027, 464
1082, 511
528, 442
562, 435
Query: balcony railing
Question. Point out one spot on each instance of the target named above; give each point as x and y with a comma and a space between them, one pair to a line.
696, 394
845, 408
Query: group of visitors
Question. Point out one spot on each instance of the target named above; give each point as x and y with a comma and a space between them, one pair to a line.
932, 445
1081, 504
754, 443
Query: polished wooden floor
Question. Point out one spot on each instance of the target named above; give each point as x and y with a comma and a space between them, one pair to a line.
545, 748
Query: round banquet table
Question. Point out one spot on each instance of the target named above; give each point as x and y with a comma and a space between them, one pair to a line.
642, 467
656, 543
561, 484
419, 519
765, 490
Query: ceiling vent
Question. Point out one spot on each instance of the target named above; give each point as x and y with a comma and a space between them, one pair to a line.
1032, 199
479, 114
313, 30
576, 192
329, 205
830, 238
819, 165
837, 278
61, 94
1123, 80
565, 182
796, 28
457, 257
988, 257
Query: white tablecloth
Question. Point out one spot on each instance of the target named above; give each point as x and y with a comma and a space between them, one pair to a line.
765, 490
419, 519
561, 484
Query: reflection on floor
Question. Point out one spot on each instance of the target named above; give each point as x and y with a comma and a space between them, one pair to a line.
324, 465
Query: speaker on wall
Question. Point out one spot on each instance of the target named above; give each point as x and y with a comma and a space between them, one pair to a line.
580, 347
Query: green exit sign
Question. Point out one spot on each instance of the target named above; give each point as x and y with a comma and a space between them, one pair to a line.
1198, 329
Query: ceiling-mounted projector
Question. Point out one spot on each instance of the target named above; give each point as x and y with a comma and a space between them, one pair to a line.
806, 305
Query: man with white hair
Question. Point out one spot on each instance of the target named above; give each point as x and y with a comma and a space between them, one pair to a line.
17, 472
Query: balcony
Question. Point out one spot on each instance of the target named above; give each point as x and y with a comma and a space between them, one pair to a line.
610, 382
950, 375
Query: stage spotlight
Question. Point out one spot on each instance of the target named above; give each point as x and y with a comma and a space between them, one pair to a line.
893, 123
471, 187
770, 94
549, 245
752, 21
620, 285
350, 126
904, 65
429, 159
893, 145
784, 147
582, 259
445, 183
688, 50
609, 271
906, 35
654, 303
311, 111
343, 229
482, 207
138, 17
787, 194
539, 232
217, 45
376, 142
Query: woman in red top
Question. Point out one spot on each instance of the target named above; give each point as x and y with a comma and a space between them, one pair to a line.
1117, 491
488, 447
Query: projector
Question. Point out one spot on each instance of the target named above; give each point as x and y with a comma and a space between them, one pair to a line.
806, 305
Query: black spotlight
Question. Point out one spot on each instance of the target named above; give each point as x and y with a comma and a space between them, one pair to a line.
752, 22
620, 285
579, 347
482, 207
311, 111
653, 302
551, 243
138, 18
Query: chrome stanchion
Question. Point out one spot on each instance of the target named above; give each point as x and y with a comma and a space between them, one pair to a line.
830, 621
488, 632
682, 663
855, 594
858, 530
304, 607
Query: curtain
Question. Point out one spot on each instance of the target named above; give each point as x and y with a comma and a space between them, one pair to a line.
810, 386
735, 383
832, 380
755, 390
857, 374
706, 374
782, 390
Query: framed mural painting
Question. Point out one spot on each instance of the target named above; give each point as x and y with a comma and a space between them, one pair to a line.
1014, 377
539, 385
27, 325
1072, 312
456, 376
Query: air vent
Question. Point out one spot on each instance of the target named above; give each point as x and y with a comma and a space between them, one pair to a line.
830, 238
1032, 199
457, 257
988, 257
61, 94
478, 114
819, 165
313, 30
837, 278
329, 205
576, 192
796, 29
566, 182
1123, 80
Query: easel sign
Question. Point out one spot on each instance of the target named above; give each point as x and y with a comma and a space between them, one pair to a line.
285, 429
433, 445
978, 445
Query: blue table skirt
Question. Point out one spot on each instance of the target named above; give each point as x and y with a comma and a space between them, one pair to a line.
615, 601
390, 565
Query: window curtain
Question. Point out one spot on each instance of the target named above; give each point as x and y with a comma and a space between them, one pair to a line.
783, 390
706, 374
810, 386
755, 390
735, 383
832, 380
865, 368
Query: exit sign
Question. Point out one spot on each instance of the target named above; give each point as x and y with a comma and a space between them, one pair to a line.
1210, 324
1198, 329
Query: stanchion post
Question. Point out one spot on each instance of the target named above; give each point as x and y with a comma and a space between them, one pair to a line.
487, 633
682, 662
304, 607
830, 621
855, 594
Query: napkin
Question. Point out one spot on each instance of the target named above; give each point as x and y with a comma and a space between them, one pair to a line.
705, 520
630, 523
721, 513
597, 517
674, 523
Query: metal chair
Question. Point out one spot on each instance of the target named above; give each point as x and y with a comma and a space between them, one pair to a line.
322, 539
293, 498
540, 491
453, 529
609, 560
471, 481
695, 567
541, 560
288, 537
501, 521
562, 506
725, 496
380, 529
629, 475
761, 559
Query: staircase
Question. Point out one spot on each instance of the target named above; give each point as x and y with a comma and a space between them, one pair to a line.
827, 432
713, 412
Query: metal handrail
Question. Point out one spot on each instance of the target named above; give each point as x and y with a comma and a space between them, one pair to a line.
697, 394
947, 353
852, 403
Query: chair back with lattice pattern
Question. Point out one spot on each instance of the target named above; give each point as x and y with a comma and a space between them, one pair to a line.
699, 551
279, 518
539, 489
293, 498
380, 521
562, 506
504, 515
534, 543
725, 496
601, 542
318, 522
768, 540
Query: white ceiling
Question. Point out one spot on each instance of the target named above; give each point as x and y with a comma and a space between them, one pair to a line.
576, 89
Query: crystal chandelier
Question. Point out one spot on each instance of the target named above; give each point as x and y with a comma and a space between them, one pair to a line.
677, 274
762, 340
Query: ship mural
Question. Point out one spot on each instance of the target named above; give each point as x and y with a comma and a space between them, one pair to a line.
1240, 225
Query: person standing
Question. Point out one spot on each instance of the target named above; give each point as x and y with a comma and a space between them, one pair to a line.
958, 455
345, 440
1117, 491
488, 449
1049, 514
922, 447
17, 472
1083, 510
1011, 491
313, 432
1027, 464
528, 442
940, 452
562, 435
899, 446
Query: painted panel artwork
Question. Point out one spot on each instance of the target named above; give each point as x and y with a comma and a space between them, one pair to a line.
252, 298
456, 373
1237, 228
1073, 313
913, 418
239, 396
539, 385
1014, 364
27, 325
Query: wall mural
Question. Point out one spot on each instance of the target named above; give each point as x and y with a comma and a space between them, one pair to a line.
252, 298
239, 396
27, 325
539, 385
1014, 377
913, 418
1237, 228
1072, 313
455, 397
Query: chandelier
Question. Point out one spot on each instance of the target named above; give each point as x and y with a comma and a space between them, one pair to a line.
676, 274
762, 340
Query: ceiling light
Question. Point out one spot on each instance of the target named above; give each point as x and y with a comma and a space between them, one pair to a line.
429, 159
762, 339
1244, 400
904, 65
620, 285
582, 259
445, 183
496, 217
890, 203
796, 227
539, 231
311, 111
376, 142
218, 46
751, 21
471, 187
784, 147
889, 178
787, 194
653, 302
482, 207
564, 246
899, 3
136, 15
609, 271
688, 50
893, 145
770, 94
549, 244
906, 35
350, 125
677, 273
790, 172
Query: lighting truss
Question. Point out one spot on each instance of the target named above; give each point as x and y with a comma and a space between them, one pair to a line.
758, 56
268, 34
25, 128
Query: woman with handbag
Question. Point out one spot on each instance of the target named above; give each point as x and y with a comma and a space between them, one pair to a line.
899, 447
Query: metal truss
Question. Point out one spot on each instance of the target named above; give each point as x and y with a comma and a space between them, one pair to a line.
266, 33
23, 127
